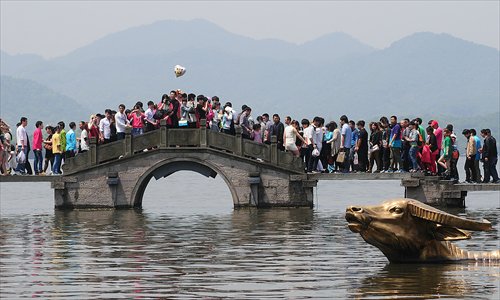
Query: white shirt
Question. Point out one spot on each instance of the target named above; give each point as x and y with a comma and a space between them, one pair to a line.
21, 136
104, 127
83, 140
308, 134
149, 115
318, 138
121, 122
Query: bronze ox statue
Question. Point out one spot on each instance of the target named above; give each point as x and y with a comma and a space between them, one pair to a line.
407, 230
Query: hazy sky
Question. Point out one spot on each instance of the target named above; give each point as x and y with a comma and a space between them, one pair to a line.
54, 28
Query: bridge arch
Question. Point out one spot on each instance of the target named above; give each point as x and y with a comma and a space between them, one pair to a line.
167, 167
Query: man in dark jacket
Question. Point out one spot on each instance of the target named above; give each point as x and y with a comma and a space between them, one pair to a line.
490, 157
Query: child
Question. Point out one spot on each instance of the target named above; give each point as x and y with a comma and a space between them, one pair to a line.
256, 134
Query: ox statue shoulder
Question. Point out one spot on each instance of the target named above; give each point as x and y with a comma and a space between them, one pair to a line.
407, 230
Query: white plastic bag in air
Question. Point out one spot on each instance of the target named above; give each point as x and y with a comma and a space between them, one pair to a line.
179, 70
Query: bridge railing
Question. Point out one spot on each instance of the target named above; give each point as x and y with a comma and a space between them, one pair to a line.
175, 138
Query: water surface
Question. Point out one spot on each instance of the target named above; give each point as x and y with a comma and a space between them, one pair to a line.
188, 242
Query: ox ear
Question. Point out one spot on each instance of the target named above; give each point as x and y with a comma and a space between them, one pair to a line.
443, 233
429, 213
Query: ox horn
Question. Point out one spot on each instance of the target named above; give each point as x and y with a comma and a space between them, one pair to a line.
426, 212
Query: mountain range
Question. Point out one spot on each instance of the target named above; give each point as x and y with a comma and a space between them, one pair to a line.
421, 74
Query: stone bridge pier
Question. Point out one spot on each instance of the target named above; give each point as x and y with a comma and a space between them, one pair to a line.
121, 183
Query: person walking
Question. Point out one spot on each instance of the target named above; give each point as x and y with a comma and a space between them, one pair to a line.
470, 153
57, 151
490, 156
375, 147
22, 146
477, 156
71, 141
395, 145
345, 142
37, 147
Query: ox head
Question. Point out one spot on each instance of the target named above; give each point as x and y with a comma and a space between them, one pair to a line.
403, 228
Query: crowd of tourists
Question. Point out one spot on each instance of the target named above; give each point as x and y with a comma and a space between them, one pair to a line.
383, 146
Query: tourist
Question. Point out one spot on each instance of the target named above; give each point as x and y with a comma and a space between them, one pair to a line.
361, 147
57, 151
421, 130
136, 117
71, 140
267, 128
455, 155
84, 141
319, 133
412, 140
433, 151
470, 153
201, 109
256, 133
290, 137
190, 109
375, 147
93, 126
335, 147
151, 123
62, 135
37, 147
246, 130
405, 145
352, 153
395, 146
215, 123
5, 138
121, 122
326, 149
175, 110
446, 150
22, 146
105, 127
227, 120
477, 155
438, 132
490, 157
385, 151
277, 129
345, 143
49, 155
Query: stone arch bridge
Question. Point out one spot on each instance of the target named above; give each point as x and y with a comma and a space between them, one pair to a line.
116, 174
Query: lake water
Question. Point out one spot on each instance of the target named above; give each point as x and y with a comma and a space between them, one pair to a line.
188, 242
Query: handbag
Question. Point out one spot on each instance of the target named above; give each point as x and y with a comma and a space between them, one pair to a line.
341, 157
183, 123
375, 148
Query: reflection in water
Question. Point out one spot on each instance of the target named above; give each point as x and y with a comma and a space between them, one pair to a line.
279, 253
428, 281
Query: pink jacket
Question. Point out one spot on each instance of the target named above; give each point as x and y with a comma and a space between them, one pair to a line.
37, 139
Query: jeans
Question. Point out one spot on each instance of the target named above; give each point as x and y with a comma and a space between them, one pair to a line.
38, 161
57, 163
312, 161
137, 131
413, 157
21, 166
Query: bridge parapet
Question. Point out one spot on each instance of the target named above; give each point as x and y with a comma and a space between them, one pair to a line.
192, 138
